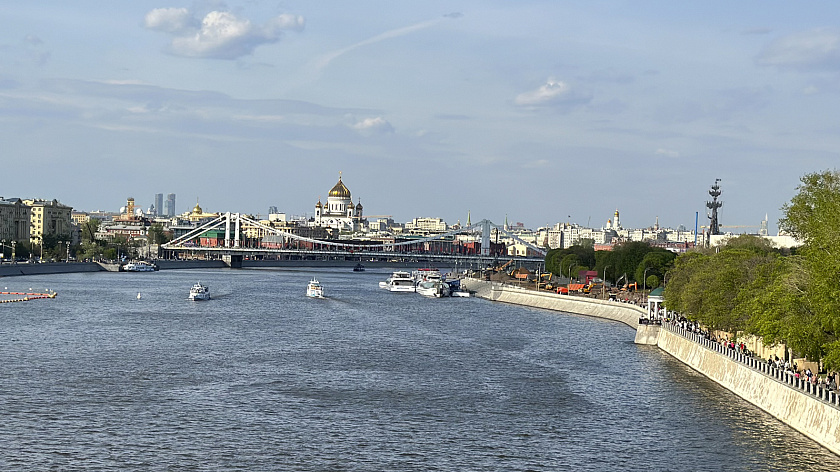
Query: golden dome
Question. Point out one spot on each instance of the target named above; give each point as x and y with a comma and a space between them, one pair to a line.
197, 210
340, 190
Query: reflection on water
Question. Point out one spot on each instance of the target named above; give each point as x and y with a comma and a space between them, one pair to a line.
263, 378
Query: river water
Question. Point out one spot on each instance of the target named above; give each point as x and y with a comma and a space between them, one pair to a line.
263, 378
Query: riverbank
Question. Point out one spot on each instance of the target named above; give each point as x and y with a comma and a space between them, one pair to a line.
817, 417
11, 270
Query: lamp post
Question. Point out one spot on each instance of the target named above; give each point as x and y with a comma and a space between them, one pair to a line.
68, 252
604, 284
644, 280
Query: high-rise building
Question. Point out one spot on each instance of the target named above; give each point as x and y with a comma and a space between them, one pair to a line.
158, 204
170, 205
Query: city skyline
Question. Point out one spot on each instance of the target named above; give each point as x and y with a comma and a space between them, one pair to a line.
543, 111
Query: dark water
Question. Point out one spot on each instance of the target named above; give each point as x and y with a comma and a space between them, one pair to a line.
263, 378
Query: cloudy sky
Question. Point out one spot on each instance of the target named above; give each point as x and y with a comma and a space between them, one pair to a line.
544, 111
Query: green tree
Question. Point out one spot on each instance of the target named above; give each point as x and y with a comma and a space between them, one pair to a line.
813, 216
157, 235
89, 230
656, 263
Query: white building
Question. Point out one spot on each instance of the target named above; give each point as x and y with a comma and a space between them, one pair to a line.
426, 225
339, 213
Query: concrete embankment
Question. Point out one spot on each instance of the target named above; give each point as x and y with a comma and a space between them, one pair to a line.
617, 311
809, 414
7, 270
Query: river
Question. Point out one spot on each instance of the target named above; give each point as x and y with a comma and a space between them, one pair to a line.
263, 378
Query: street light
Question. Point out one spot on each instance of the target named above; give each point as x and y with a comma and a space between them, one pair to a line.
604, 283
644, 280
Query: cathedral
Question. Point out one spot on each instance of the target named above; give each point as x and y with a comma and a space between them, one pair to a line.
339, 213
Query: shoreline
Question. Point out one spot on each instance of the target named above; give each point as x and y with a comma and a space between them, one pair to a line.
814, 417
15, 270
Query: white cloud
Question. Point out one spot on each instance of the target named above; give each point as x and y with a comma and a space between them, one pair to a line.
815, 49
169, 20
220, 34
552, 93
667, 152
370, 126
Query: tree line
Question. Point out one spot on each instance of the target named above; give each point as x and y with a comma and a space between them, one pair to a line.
632, 261
791, 297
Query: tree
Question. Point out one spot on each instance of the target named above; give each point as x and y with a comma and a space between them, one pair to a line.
813, 216
89, 230
656, 262
157, 235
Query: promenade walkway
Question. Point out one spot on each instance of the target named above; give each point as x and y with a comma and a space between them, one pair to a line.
782, 376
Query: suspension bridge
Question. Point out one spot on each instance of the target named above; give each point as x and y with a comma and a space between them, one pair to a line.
233, 237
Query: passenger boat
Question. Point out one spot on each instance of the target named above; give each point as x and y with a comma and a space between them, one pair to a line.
399, 281
139, 266
433, 288
199, 291
314, 289
427, 274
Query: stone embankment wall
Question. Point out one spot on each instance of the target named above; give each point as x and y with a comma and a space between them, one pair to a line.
617, 311
811, 415
808, 414
7, 270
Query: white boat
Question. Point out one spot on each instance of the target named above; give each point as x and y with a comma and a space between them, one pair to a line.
433, 288
427, 274
314, 289
399, 281
139, 266
199, 291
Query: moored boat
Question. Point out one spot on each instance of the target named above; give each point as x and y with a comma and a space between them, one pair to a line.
138, 266
455, 289
433, 288
314, 289
399, 281
199, 291
426, 274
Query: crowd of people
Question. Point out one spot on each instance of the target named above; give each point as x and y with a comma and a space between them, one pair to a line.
828, 381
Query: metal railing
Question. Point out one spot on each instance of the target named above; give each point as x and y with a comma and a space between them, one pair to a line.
782, 376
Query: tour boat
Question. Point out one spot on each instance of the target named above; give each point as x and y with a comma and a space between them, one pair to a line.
399, 281
199, 291
427, 274
139, 266
314, 289
433, 288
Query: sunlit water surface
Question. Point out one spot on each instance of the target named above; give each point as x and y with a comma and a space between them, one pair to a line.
263, 378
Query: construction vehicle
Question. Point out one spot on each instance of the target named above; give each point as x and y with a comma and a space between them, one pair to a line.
544, 281
592, 285
631, 287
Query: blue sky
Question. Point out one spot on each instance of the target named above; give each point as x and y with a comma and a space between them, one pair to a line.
543, 111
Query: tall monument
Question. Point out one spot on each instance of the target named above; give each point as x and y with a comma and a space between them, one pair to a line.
714, 224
